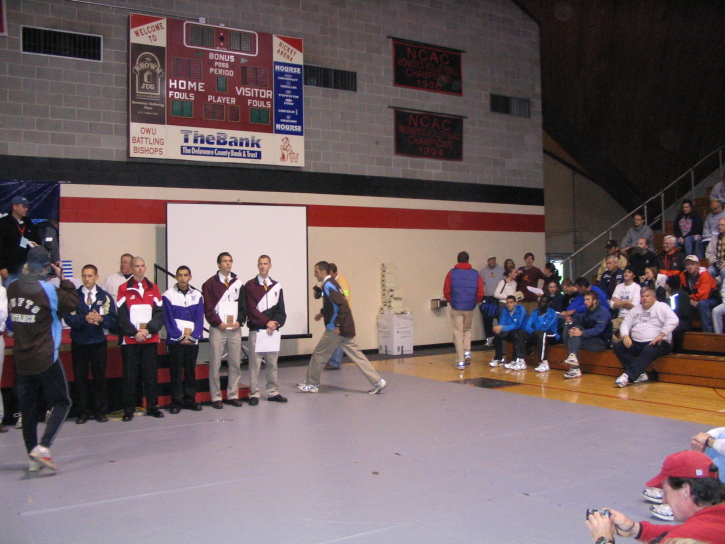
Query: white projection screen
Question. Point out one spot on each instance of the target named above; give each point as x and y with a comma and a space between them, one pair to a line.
197, 233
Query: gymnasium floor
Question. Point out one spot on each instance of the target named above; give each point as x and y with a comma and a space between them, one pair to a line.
441, 456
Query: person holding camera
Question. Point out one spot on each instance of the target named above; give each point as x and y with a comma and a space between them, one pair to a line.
691, 487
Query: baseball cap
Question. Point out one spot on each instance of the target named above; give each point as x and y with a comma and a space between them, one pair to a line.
693, 258
20, 200
684, 464
612, 243
39, 256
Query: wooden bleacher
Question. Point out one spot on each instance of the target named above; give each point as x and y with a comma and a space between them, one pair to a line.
703, 364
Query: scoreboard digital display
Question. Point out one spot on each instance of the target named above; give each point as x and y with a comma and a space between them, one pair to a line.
211, 93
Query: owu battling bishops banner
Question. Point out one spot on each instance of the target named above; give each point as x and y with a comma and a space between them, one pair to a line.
210, 93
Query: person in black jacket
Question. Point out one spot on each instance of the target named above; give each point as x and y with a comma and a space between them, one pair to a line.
17, 236
35, 308
688, 229
679, 301
95, 312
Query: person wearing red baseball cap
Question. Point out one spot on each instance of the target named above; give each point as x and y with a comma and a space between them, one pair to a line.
692, 488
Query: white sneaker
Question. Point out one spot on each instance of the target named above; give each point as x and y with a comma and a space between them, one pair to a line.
19, 421
520, 364
662, 511
509, 365
573, 372
460, 365
467, 357
653, 494
496, 362
378, 387
622, 381
489, 341
571, 360
34, 466
308, 388
543, 366
642, 378
42, 455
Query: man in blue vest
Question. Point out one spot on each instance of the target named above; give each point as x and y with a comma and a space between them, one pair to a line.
463, 289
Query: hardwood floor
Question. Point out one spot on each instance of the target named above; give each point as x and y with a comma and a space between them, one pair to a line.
704, 405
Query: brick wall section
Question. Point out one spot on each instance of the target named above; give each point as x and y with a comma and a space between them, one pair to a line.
55, 107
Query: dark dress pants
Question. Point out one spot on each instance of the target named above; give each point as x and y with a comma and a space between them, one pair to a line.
143, 356
95, 358
182, 360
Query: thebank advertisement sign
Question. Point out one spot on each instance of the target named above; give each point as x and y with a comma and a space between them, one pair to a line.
211, 93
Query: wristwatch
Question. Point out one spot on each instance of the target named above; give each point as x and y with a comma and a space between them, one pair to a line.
604, 540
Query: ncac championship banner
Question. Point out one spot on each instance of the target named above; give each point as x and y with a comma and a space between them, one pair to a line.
209, 93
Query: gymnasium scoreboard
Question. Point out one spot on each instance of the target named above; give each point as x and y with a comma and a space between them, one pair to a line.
200, 92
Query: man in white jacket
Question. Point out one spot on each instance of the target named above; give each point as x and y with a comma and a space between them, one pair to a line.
646, 336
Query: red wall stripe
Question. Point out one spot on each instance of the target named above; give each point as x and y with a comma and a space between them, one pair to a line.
141, 211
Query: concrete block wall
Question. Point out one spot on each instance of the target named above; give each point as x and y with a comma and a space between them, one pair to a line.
66, 108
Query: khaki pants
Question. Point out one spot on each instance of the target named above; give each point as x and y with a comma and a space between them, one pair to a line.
461, 321
218, 340
255, 364
324, 349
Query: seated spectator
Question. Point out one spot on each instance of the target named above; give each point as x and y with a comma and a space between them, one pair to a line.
679, 301
612, 249
510, 327
709, 229
624, 298
509, 265
505, 288
577, 304
671, 261
641, 258
639, 230
556, 298
541, 329
653, 278
715, 253
570, 292
611, 277
529, 276
590, 330
646, 336
702, 289
491, 274
688, 229
691, 486
718, 312
718, 191
551, 273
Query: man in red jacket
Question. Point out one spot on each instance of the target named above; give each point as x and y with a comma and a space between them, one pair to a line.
140, 319
702, 288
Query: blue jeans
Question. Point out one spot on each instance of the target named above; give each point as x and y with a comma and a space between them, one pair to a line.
54, 388
336, 358
719, 275
705, 308
639, 356
693, 247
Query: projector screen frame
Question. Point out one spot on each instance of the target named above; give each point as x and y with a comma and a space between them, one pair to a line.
197, 281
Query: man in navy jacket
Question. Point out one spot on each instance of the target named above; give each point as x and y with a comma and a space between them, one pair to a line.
95, 314
590, 330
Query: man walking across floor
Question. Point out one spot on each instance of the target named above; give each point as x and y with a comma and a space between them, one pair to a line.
140, 318
463, 289
646, 336
221, 307
335, 361
339, 331
184, 321
265, 316
94, 315
35, 308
